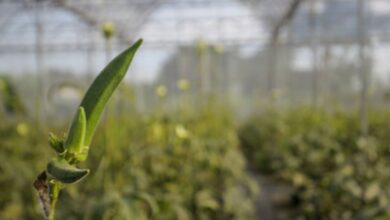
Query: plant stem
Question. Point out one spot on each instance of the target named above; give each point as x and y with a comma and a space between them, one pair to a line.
55, 188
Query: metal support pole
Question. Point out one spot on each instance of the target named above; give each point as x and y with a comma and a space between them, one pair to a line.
39, 59
314, 52
362, 70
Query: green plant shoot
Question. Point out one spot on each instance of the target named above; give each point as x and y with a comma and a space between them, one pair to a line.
63, 169
75, 142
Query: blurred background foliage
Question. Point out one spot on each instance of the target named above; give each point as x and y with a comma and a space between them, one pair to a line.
178, 165
330, 170
199, 162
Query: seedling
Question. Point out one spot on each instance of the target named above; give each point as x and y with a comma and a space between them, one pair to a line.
63, 169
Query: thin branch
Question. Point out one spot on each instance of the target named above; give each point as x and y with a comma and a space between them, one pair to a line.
285, 19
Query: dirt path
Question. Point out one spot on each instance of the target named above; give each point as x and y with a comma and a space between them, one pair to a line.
272, 198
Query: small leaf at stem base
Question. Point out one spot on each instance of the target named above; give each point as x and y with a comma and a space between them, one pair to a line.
61, 170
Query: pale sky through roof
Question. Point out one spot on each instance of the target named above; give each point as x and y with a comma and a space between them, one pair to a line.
200, 23
213, 23
207, 23
380, 7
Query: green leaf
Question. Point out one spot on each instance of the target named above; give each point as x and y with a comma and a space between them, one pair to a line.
56, 143
149, 200
75, 141
61, 170
102, 88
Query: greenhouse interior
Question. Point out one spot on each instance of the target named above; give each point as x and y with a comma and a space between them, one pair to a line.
194, 109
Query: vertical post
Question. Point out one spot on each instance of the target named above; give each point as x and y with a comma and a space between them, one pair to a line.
201, 50
326, 74
222, 75
231, 71
206, 70
90, 52
289, 72
218, 53
213, 71
272, 61
314, 49
182, 75
362, 70
39, 53
174, 86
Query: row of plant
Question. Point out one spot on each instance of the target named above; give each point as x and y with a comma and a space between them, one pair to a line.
159, 166
332, 171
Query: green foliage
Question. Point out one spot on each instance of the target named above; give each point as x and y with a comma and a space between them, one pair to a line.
334, 173
22, 156
61, 170
186, 167
9, 97
182, 165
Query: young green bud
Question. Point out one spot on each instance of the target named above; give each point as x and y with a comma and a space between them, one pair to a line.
56, 143
75, 141
62, 171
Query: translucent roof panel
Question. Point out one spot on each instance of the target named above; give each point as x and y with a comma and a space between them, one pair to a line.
69, 31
